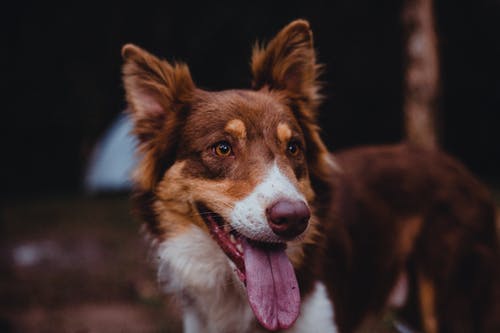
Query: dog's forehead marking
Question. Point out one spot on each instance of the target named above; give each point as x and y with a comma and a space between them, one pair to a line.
236, 127
284, 132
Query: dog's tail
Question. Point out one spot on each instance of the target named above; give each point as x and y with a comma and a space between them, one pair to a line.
421, 77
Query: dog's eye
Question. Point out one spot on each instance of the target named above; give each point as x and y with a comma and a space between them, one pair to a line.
293, 148
223, 149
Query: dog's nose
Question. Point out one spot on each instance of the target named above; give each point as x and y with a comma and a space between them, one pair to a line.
287, 218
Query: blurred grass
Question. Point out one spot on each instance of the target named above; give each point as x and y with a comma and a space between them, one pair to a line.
77, 264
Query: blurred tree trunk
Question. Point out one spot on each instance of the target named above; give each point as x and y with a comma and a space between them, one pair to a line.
421, 85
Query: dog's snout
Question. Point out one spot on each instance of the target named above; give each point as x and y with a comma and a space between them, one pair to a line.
288, 219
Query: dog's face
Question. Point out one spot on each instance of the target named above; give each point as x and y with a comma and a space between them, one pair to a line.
241, 153
242, 165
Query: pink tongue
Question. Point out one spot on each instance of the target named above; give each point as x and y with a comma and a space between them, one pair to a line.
272, 287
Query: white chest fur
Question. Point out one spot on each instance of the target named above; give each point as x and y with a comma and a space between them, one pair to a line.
192, 266
317, 313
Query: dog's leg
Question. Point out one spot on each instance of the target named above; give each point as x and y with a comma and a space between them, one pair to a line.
427, 298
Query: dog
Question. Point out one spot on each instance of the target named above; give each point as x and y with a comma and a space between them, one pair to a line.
258, 227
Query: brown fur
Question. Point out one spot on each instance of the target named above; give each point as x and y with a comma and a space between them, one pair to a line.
377, 211
384, 189
427, 297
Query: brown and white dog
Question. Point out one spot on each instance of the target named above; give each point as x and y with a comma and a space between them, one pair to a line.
258, 227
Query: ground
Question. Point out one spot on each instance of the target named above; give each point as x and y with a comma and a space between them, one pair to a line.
78, 264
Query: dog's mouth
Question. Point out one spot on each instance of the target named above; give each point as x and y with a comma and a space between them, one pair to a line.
264, 268
229, 240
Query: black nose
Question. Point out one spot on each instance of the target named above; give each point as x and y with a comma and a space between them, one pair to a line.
288, 219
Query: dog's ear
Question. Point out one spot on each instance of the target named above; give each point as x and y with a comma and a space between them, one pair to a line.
288, 63
158, 96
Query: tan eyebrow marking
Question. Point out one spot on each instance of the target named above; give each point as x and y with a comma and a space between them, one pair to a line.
284, 132
237, 128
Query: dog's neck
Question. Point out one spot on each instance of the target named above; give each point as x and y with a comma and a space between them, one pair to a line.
193, 267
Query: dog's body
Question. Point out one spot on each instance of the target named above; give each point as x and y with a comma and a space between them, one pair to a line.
258, 227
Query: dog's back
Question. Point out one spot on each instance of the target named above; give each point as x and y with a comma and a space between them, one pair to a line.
414, 214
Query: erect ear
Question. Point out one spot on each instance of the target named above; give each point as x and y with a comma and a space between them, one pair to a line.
158, 96
288, 63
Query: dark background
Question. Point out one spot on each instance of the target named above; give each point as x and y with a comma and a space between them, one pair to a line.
61, 71
75, 263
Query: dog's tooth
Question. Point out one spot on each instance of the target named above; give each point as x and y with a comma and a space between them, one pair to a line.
232, 238
239, 247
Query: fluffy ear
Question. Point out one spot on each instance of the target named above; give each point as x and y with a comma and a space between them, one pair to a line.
288, 63
158, 95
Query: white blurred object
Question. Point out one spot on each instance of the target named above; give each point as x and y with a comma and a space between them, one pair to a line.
112, 159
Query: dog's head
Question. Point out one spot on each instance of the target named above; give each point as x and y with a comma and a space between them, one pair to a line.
242, 165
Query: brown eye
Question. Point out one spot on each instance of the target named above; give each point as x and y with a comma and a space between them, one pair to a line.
223, 149
293, 148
